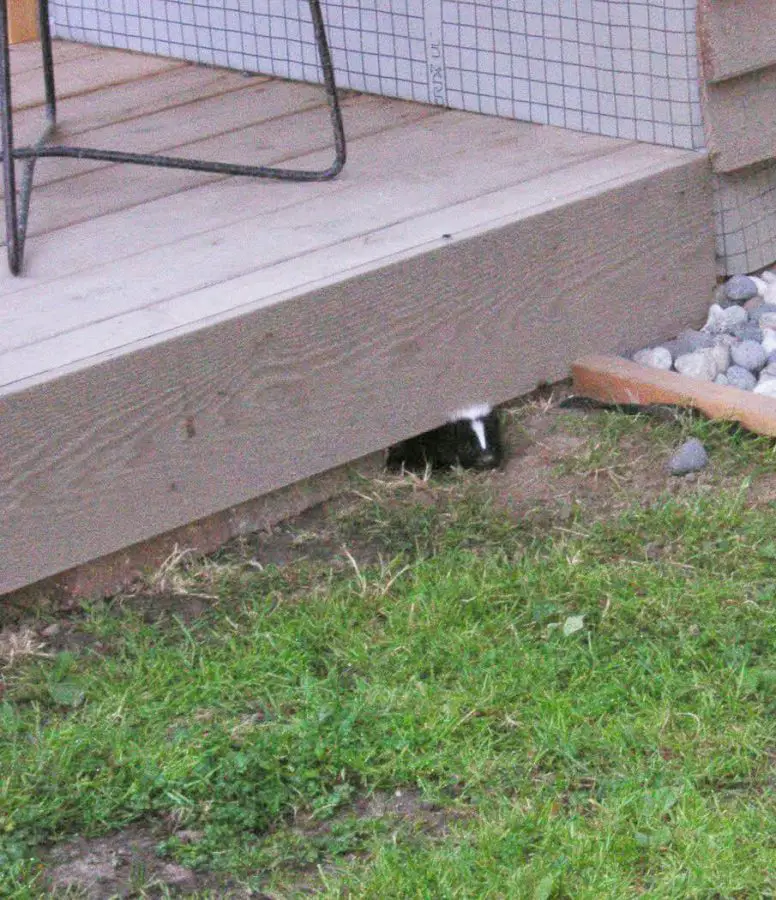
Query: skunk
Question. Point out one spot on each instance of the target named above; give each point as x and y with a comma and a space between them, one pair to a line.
471, 438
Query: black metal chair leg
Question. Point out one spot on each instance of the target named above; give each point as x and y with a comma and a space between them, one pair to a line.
13, 244
17, 208
44, 29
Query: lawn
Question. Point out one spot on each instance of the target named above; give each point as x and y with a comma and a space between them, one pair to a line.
553, 682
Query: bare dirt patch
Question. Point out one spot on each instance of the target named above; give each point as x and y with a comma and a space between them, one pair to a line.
126, 864
406, 806
121, 865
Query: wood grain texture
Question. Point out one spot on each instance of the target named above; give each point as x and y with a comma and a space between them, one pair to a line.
186, 123
616, 380
83, 74
22, 20
735, 37
740, 120
98, 192
149, 440
208, 236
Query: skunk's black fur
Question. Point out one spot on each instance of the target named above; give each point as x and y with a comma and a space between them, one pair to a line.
453, 444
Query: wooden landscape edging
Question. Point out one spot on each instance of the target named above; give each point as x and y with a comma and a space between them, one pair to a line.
612, 379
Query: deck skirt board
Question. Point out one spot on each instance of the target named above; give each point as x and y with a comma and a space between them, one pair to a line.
179, 347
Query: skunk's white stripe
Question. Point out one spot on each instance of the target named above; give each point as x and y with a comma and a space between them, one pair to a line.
472, 413
479, 429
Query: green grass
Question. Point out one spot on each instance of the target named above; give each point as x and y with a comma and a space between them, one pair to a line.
593, 720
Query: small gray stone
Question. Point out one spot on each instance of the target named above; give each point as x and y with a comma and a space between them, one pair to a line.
695, 340
768, 373
740, 378
767, 320
760, 284
720, 297
656, 358
772, 357
722, 321
740, 288
720, 353
675, 348
770, 293
749, 355
748, 332
763, 309
721, 379
698, 365
690, 457
688, 341
767, 388
769, 340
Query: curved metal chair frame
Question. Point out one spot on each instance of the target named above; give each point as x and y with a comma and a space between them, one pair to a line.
17, 206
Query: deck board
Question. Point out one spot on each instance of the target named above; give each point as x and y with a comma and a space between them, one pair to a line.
83, 74
179, 344
26, 57
107, 106
107, 189
189, 123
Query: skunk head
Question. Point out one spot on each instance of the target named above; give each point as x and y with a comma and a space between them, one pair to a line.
477, 437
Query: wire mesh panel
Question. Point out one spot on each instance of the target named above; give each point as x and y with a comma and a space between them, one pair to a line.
745, 207
623, 68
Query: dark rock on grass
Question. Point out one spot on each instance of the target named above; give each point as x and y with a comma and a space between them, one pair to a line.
690, 457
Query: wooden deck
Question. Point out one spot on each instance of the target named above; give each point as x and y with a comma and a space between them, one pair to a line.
181, 343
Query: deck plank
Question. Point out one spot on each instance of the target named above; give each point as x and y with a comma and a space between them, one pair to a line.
84, 74
27, 56
103, 107
185, 123
109, 190
352, 257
